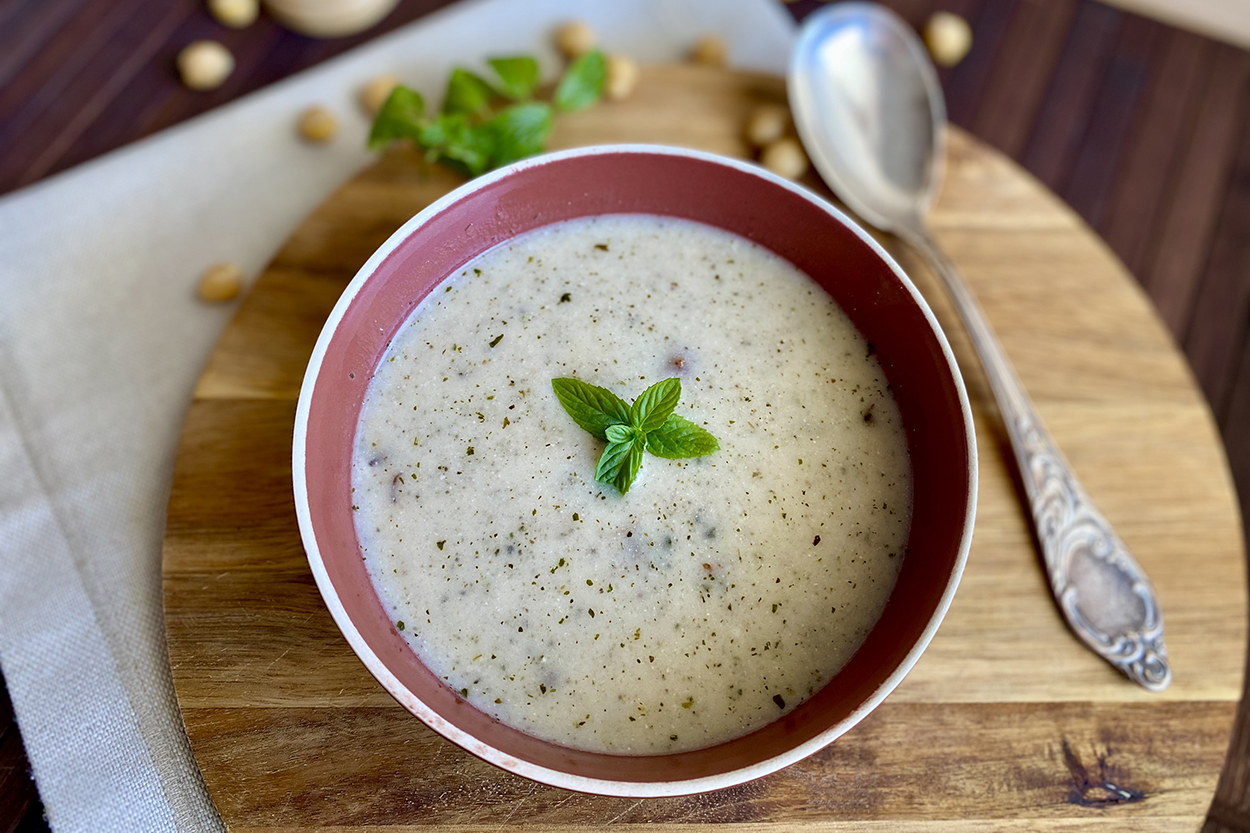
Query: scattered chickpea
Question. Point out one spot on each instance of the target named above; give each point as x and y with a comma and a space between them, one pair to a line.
237, 14
785, 157
710, 50
221, 282
575, 38
766, 124
620, 77
317, 124
949, 37
205, 64
374, 94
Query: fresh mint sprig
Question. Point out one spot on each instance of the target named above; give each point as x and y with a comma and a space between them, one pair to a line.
486, 124
649, 424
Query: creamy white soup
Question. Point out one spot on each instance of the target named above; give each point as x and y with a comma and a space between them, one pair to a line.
720, 591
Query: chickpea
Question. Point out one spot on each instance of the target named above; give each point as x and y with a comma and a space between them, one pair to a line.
205, 65
237, 14
620, 77
374, 94
766, 124
949, 37
710, 50
785, 157
575, 38
318, 125
221, 282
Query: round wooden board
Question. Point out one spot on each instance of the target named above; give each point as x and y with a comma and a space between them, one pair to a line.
1006, 719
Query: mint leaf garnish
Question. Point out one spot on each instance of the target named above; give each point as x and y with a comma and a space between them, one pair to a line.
517, 76
582, 84
466, 93
679, 438
629, 430
519, 131
621, 433
399, 118
592, 407
658, 401
629, 469
610, 462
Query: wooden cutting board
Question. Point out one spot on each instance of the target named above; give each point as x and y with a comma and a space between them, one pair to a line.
1006, 720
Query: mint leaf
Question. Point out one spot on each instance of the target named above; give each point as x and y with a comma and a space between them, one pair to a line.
629, 469
456, 143
472, 147
679, 438
399, 118
519, 131
592, 407
613, 457
437, 134
621, 433
582, 83
517, 75
620, 463
466, 93
658, 401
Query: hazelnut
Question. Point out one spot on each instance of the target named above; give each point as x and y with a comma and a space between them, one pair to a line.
785, 157
710, 50
949, 37
620, 77
317, 124
575, 38
766, 124
205, 65
221, 282
237, 14
374, 94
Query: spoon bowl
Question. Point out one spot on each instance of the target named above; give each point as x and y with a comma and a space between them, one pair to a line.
873, 118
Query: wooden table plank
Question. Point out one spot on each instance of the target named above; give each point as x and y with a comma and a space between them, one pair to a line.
1006, 116
1138, 197
1222, 304
1097, 160
1063, 121
1182, 247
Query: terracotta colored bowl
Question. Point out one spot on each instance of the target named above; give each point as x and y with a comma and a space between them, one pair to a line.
741, 198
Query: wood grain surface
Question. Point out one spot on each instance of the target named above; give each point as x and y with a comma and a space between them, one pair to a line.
1006, 719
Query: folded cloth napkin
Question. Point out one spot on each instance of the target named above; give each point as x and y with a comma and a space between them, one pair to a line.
101, 340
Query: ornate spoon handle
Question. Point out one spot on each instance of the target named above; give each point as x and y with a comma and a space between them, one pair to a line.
1098, 585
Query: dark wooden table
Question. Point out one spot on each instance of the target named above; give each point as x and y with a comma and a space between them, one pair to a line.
1142, 128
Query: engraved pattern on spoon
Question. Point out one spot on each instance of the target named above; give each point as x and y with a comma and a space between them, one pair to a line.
1086, 559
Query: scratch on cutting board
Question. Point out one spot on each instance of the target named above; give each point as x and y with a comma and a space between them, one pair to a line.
517, 806
624, 812
279, 659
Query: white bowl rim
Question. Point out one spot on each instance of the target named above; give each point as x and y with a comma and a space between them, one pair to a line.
469, 742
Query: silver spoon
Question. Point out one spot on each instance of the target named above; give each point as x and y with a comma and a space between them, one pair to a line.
870, 112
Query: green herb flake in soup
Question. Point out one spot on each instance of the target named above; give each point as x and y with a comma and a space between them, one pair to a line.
727, 587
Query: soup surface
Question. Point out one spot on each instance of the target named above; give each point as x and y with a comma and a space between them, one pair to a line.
719, 592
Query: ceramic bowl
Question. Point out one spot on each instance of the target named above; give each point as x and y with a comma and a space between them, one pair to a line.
733, 195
